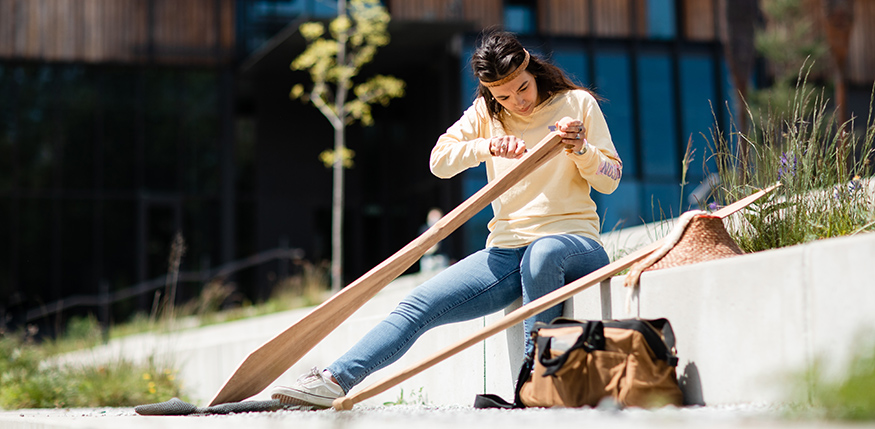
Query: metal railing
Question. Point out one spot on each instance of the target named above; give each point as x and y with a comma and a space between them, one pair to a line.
106, 298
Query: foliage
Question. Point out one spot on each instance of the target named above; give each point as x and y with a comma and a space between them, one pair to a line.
364, 30
29, 379
333, 63
327, 157
788, 41
824, 186
82, 332
417, 397
846, 396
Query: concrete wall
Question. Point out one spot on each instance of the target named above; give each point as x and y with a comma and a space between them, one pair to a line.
207, 356
743, 324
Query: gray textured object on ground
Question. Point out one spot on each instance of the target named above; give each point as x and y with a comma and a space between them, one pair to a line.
178, 407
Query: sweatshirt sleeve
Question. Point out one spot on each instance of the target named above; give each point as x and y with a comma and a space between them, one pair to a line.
600, 165
462, 146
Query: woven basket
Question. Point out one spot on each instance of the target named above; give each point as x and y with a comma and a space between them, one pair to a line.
705, 239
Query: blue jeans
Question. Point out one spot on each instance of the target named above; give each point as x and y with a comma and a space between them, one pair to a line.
483, 283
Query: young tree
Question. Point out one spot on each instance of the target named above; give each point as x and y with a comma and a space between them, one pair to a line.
839, 16
839, 22
740, 53
333, 60
792, 44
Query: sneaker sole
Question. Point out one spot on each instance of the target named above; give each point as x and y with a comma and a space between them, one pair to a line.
290, 400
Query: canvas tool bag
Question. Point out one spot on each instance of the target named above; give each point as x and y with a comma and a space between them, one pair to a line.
580, 363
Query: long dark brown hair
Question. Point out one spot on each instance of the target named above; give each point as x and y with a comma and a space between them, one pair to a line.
500, 53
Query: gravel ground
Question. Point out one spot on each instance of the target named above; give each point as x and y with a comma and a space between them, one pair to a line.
422, 417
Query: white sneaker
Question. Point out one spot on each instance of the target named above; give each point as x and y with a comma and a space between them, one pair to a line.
312, 388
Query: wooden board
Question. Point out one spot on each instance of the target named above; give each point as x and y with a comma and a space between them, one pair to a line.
526, 311
268, 362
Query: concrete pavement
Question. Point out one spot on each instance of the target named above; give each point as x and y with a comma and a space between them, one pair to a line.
425, 417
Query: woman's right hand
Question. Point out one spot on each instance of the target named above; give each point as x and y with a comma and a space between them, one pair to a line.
507, 147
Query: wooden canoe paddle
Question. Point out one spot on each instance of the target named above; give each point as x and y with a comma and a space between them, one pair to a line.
526, 311
268, 362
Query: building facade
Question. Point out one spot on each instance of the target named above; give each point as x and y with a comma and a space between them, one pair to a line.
123, 122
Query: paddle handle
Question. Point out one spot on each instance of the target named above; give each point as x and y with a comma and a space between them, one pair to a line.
268, 362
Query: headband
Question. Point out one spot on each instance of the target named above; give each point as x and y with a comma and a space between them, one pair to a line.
511, 76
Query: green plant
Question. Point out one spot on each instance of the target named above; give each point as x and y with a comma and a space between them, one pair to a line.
167, 305
823, 192
82, 332
29, 378
848, 396
788, 40
417, 397
137, 324
211, 299
333, 62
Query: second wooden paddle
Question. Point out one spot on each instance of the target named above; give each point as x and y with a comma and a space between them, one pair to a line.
526, 311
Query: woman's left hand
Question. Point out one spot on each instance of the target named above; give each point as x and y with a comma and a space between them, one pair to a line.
574, 135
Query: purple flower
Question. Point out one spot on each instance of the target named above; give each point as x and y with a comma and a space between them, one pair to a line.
853, 186
788, 167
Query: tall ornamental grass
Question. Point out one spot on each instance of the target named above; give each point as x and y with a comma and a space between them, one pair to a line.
827, 190
824, 168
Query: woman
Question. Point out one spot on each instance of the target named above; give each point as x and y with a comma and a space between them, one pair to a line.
545, 230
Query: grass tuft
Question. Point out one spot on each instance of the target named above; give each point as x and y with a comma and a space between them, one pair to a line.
820, 394
825, 169
30, 379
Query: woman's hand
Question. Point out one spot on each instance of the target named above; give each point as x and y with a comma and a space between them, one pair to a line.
507, 147
574, 136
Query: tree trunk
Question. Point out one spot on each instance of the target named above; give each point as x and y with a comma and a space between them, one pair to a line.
339, 145
739, 50
839, 19
337, 213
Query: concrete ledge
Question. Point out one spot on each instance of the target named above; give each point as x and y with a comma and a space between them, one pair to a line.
745, 323
207, 356
742, 324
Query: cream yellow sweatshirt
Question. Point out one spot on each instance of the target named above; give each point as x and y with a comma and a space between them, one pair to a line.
554, 199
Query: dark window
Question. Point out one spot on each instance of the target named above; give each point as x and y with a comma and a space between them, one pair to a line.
82, 148
660, 200
77, 100
622, 208
36, 245
612, 81
261, 20
574, 61
6, 251
8, 128
119, 243
520, 17
659, 155
699, 104
661, 22
76, 246
121, 135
